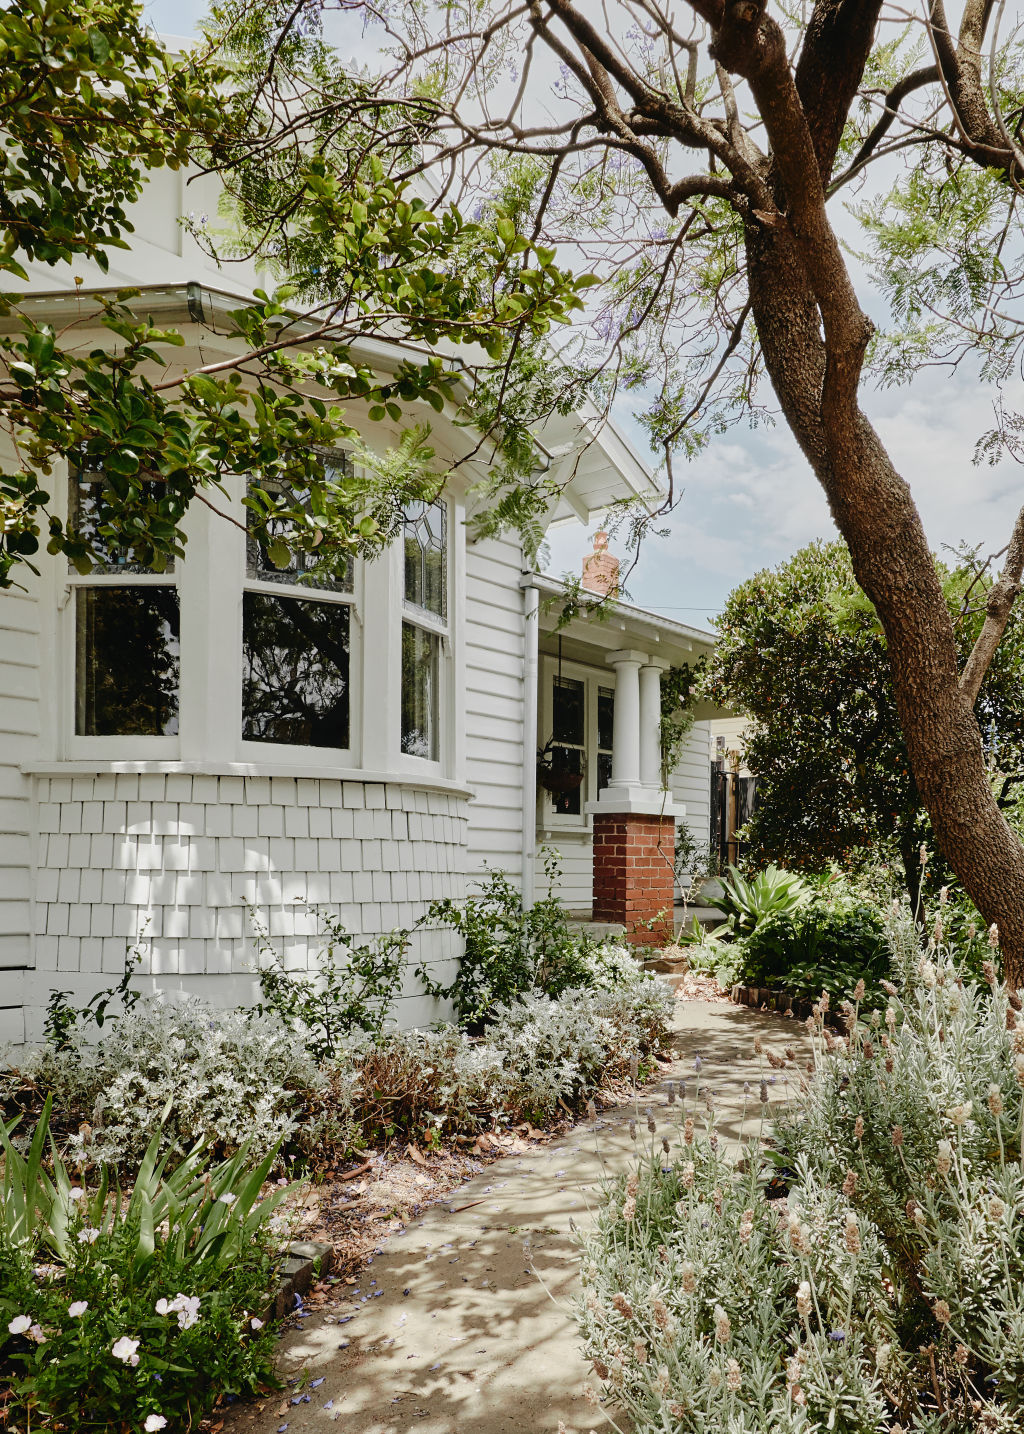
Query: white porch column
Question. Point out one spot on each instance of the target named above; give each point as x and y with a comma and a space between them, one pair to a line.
626, 724
650, 723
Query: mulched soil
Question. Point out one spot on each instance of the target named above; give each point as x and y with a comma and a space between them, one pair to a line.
695, 986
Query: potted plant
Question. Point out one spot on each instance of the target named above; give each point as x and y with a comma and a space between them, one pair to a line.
554, 773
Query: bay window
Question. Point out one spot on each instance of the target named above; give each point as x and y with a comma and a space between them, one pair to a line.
127, 632
424, 626
227, 657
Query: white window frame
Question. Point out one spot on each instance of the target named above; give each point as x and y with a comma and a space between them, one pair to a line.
441, 628
116, 746
297, 754
593, 678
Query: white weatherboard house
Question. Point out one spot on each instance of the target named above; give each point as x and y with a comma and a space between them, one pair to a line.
176, 747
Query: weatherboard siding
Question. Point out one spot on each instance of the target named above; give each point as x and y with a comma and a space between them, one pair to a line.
493, 699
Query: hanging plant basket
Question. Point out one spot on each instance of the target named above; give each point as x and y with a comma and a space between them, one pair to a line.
553, 772
558, 779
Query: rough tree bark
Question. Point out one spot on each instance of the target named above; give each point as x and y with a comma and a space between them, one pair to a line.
813, 335
812, 332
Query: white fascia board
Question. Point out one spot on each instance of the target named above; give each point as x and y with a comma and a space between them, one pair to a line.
629, 619
604, 464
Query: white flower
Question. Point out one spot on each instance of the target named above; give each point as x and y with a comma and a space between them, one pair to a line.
163, 1308
19, 1324
76, 1192
36, 1333
88, 1236
124, 1349
78, 1308
188, 1310
227, 1198
255, 1323
154, 1422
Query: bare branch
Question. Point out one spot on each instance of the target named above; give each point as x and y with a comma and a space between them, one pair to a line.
1002, 595
916, 80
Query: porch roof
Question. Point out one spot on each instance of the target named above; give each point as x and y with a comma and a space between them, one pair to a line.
589, 637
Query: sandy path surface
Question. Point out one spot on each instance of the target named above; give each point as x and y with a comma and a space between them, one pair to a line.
452, 1327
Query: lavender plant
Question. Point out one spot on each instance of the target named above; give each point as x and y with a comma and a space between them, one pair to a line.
880, 1288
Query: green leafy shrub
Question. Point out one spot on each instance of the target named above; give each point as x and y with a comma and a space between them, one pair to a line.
883, 1292
510, 948
353, 988
815, 948
116, 1311
539, 1055
747, 900
173, 1073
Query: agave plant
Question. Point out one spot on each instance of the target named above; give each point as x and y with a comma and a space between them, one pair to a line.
746, 902
210, 1213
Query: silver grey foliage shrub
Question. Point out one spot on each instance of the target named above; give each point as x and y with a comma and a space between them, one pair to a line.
225, 1077
228, 1077
885, 1291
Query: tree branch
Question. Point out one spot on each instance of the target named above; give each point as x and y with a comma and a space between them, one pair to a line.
916, 80
835, 50
1002, 595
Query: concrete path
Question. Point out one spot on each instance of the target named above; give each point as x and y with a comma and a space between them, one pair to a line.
452, 1328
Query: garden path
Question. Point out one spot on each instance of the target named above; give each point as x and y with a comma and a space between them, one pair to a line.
449, 1329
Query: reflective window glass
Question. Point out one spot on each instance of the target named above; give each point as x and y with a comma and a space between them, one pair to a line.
420, 663
295, 671
567, 711
426, 562
566, 761
84, 493
126, 661
332, 573
605, 718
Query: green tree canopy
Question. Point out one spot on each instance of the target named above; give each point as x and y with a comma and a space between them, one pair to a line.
803, 654
89, 107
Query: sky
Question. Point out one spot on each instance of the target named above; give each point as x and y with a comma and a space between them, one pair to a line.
750, 500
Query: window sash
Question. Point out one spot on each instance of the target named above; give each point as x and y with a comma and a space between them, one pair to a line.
127, 673
419, 734
307, 701
425, 560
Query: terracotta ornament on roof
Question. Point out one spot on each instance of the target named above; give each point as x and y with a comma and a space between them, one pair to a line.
601, 568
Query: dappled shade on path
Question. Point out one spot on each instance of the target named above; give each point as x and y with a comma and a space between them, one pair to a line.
452, 1326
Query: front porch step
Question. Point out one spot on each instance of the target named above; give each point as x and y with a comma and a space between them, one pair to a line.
599, 930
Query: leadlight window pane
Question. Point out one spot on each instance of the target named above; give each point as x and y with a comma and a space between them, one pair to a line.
420, 666
85, 487
126, 661
331, 573
426, 557
567, 711
605, 718
295, 671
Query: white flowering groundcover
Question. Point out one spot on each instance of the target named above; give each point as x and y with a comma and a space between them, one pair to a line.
885, 1291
